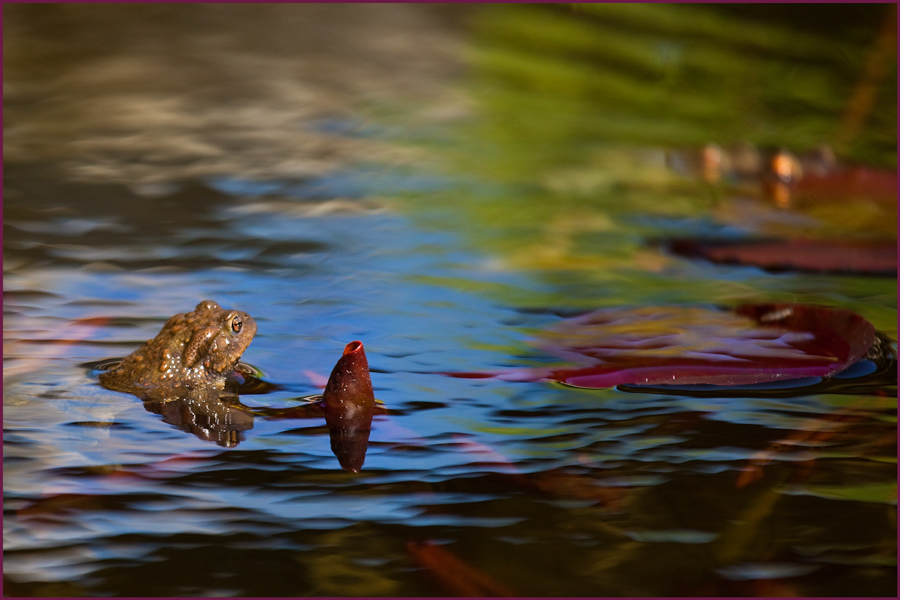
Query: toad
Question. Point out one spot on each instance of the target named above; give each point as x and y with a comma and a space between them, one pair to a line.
195, 350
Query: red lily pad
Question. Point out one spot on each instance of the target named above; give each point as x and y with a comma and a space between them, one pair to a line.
652, 346
688, 346
870, 258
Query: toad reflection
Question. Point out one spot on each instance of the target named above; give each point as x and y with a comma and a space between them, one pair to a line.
190, 375
348, 405
210, 416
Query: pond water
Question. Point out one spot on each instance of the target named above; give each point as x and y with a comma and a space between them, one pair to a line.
444, 184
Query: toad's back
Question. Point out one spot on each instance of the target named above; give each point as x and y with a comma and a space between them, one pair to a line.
194, 350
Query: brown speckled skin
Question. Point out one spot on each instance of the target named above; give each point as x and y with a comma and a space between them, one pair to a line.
194, 350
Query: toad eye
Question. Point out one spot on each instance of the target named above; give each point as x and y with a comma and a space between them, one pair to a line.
236, 324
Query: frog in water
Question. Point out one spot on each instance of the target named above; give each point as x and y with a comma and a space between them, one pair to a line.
194, 351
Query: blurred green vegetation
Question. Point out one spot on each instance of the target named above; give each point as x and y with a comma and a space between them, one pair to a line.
577, 110
555, 80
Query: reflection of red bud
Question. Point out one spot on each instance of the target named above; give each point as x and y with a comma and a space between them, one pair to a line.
349, 404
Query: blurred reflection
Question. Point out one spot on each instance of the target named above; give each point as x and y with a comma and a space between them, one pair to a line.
220, 417
213, 418
217, 415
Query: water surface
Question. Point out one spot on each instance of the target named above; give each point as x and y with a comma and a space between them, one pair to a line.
443, 184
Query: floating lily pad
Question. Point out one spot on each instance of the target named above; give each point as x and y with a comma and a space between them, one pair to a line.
794, 345
684, 346
870, 258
